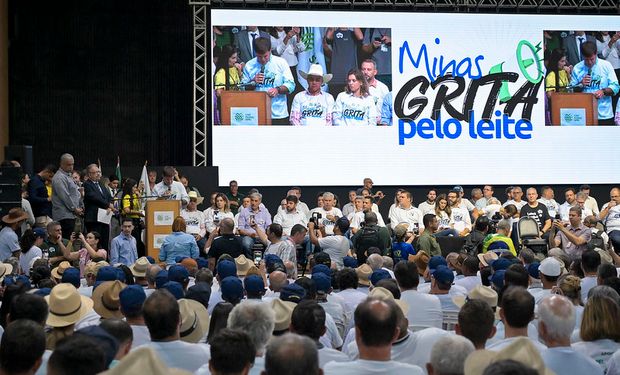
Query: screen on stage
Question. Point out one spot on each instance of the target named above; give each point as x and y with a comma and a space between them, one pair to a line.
414, 98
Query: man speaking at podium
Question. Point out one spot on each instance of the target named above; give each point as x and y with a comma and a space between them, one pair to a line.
270, 74
596, 76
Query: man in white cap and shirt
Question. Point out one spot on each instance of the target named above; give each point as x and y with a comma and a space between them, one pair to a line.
313, 106
550, 269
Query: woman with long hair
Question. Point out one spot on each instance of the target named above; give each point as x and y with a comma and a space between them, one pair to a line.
227, 70
131, 205
444, 217
30, 249
91, 251
558, 73
219, 211
355, 106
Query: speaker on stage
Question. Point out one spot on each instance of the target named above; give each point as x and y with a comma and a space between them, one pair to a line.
22, 154
10, 189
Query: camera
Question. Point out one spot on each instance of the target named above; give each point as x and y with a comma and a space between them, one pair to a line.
496, 218
316, 217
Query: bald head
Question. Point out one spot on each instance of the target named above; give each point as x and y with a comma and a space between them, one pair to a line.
376, 321
151, 274
227, 226
277, 281
556, 318
292, 354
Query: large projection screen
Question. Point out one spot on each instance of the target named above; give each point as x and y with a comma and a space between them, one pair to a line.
449, 72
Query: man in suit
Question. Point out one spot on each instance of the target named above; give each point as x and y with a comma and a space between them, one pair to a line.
244, 41
572, 43
96, 196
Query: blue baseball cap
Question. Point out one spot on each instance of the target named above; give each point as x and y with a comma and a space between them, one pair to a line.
39, 232
132, 298
202, 263
254, 284
321, 268
497, 279
322, 281
150, 259
161, 278
175, 288
379, 275
443, 275
271, 260
292, 293
349, 262
226, 268
436, 261
43, 292
232, 289
532, 269
179, 259
501, 264
105, 273
178, 273
71, 276
200, 292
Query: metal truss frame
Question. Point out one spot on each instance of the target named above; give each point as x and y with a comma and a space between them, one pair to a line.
202, 34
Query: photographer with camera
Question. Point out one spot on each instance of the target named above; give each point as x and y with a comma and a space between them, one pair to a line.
370, 235
328, 214
358, 217
337, 245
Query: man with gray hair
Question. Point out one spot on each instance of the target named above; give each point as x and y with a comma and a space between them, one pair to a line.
556, 321
500, 241
448, 355
151, 273
66, 197
254, 215
292, 354
329, 213
257, 319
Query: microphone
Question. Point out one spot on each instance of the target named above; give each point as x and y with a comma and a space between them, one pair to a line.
590, 74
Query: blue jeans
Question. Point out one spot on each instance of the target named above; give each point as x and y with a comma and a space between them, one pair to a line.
447, 233
247, 243
614, 237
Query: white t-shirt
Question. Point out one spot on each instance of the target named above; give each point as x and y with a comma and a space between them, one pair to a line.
312, 110
426, 208
180, 354
27, 258
424, 309
468, 282
378, 93
565, 360
348, 209
257, 369
288, 219
352, 298
141, 336
552, 206
195, 222
177, 191
327, 355
501, 344
587, 283
351, 110
358, 218
465, 204
613, 365
519, 205
410, 216
213, 218
491, 209
361, 367
336, 246
329, 225
460, 218
612, 220
600, 350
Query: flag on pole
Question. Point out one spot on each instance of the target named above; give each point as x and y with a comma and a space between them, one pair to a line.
312, 38
118, 169
144, 181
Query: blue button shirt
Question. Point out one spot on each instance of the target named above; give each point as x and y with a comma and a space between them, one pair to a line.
277, 73
123, 250
178, 244
603, 76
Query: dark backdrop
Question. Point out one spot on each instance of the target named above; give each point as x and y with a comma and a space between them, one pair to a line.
101, 78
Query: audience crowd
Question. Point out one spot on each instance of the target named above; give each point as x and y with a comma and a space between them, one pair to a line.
495, 284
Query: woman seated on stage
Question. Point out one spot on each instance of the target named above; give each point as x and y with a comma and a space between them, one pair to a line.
355, 106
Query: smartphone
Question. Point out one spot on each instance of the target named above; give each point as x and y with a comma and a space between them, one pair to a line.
252, 221
258, 256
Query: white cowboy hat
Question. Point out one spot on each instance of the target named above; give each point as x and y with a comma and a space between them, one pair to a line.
316, 70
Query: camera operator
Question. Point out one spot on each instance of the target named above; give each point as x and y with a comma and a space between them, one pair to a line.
337, 245
369, 235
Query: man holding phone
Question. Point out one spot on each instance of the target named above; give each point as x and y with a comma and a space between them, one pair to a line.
256, 214
574, 236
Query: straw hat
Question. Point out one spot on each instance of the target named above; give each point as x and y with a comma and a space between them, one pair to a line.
143, 361
62, 267
106, 299
66, 305
193, 195
194, 320
384, 294
283, 311
15, 215
139, 268
363, 273
5, 270
243, 265
605, 257
316, 70
521, 350
482, 293
487, 258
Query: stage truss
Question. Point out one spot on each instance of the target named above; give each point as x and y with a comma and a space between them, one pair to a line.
202, 33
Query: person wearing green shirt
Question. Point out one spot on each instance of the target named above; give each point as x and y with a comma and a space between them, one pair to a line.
427, 241
234, 197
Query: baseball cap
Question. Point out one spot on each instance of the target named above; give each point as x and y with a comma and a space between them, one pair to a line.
532, 269
105, 273
202, 263
436, 261
322, 282
254, 284
458, 188
550, 267
71, 276
292, 293
232, 289
321, 268
132, 298
443, 275
497, 279
161, 278
323, 258
349, 262
226, 268
501, 264
178, 273
39, 232
379, 275
175, 288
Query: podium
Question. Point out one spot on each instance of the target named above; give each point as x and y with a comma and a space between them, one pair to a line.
159, 217
245, 108
568, 109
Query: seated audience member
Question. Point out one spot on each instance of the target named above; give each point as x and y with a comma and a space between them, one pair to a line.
22, 347
401, 247
448, 356
355, 106
308, 319
66, 308
459, 217
590, 261
256, 214
556, 320
358, 218
122, 332
217, 212
516, 193
547, 198
131, 302
426, 241
195, 219
441, 286
600, 330
290, 216
348, 282
538, 212
376, 330
225, 243
572, 238
292, 354
549, 271
405, 213
610, 216
314, 106
500, 241
77, 354
476, 321
232, 352
517, 311
178, 243
162, 316
598, 237
470, 279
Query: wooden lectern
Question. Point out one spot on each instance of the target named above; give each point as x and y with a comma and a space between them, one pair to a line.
159, 217
246, 99
574, 100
